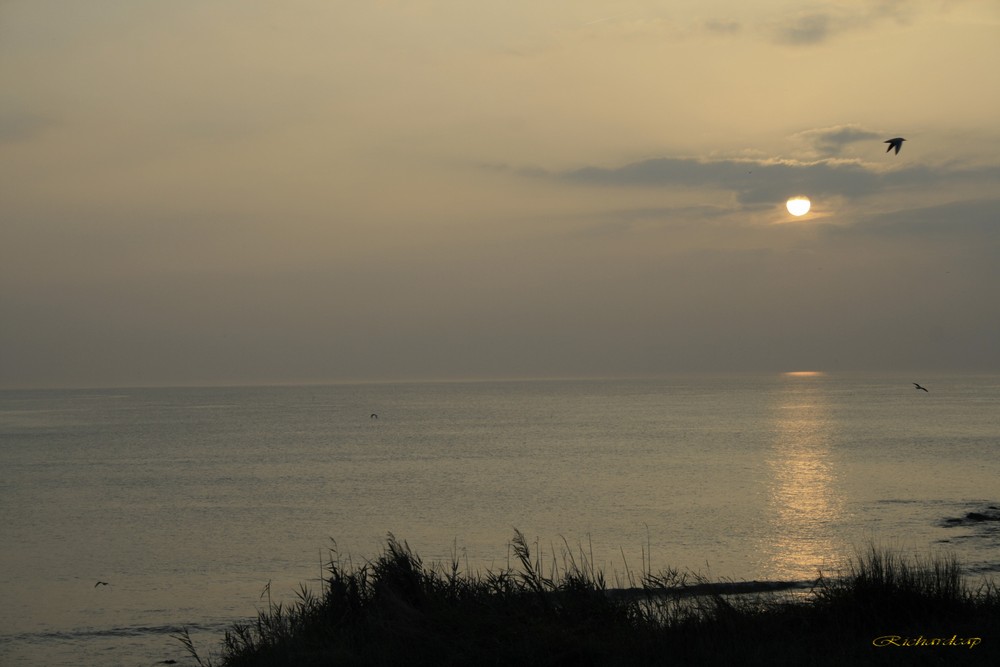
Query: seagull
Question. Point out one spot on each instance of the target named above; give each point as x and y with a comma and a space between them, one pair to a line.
919, 387
374, 416
101, 583
896, 143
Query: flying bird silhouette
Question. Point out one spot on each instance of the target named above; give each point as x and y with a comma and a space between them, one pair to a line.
374, 416
919, 387
896, 143
101, 583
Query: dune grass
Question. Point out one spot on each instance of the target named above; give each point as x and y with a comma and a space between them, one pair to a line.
394, 610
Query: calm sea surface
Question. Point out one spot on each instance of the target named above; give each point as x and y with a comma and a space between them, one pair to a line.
189, 501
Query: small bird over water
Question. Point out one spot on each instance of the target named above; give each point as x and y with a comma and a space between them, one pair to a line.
896, 143
374, 416
101, 583
919, 387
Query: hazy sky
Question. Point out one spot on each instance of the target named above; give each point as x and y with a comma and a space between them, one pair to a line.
235, 191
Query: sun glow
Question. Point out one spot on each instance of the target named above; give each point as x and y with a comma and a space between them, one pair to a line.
798, 205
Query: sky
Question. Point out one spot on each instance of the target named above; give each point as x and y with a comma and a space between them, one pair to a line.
208, 192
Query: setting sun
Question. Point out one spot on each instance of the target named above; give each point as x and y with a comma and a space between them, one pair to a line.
798, 205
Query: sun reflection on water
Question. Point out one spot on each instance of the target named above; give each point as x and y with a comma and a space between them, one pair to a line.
803, 499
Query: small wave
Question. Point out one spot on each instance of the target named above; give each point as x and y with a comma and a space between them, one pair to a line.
984, 569
715, 588
978, 517
128, 631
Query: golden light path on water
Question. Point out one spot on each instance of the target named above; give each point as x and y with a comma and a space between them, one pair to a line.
803, 498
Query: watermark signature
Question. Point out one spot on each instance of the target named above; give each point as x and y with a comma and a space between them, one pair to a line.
954, 640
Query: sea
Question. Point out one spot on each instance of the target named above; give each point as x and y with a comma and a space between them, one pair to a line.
133, 515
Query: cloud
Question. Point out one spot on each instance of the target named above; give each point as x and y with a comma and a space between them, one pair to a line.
21, 126
755, 182
624, 221
830, 141
807, 29
969, 219
762, 183
819, 25
723, 26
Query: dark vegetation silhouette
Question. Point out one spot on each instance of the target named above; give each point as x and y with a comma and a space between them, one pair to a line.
394, 610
